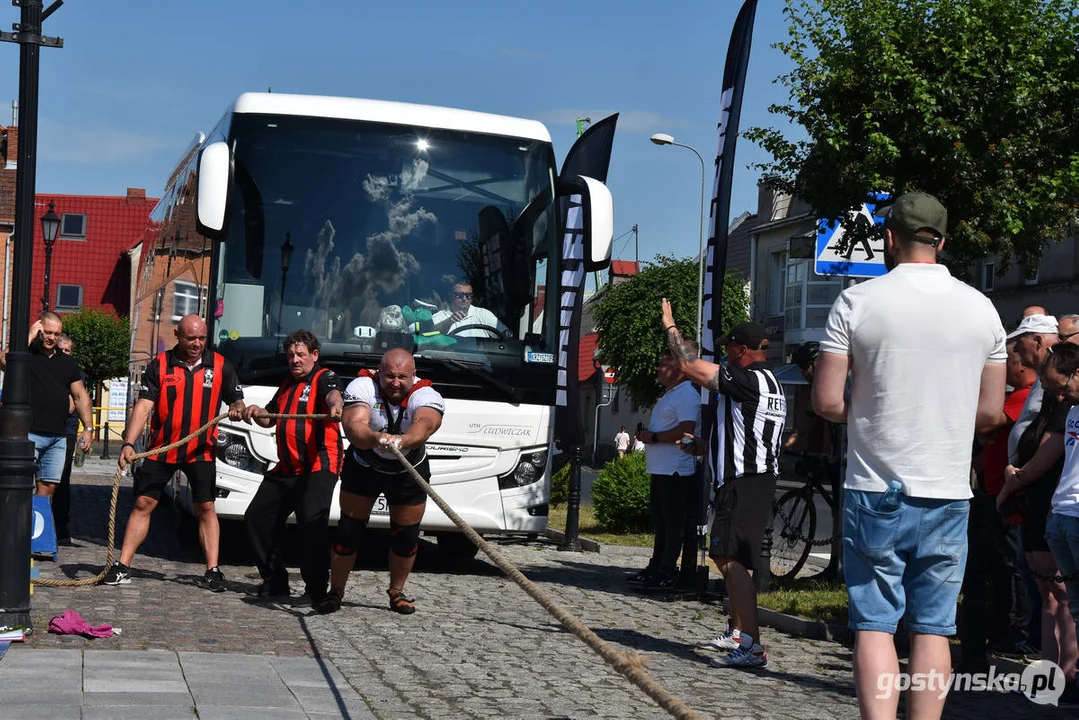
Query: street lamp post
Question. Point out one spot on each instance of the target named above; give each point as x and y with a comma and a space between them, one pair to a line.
16, 451
665, 139
50, 223
286, 260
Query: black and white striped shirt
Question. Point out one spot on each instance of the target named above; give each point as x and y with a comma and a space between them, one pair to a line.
752, 413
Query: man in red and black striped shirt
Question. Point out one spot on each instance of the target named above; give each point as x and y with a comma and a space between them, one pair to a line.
181, 391
310, 454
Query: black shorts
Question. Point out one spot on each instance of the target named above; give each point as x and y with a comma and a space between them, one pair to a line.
743, 506
399, 488
152, 476
1037, 501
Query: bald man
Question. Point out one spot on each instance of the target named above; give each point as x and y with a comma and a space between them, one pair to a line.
182, 390
388, 407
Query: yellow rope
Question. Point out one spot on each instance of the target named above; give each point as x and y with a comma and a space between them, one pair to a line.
629, 664
116, 494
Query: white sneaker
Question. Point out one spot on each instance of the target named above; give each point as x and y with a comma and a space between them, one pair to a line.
729, 640
742, 657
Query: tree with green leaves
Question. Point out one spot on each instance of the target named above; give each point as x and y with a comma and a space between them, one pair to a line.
627, 319
973, 101
102, 343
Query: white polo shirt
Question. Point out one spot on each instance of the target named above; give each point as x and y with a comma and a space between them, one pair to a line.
475, 316
918, 340
1066, 497
678, 405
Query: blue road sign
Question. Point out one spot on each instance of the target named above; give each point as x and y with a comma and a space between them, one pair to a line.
43, 531
861, 259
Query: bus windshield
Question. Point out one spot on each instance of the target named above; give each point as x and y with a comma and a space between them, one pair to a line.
375, 236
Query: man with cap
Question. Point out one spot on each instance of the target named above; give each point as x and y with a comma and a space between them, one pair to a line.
927, 358
749, 428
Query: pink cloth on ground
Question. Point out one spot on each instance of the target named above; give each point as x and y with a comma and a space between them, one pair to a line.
71, 623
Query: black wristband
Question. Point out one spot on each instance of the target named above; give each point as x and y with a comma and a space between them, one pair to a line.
671, 327
127, 444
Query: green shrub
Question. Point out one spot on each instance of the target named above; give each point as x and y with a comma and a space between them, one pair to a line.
560, 485
621, 493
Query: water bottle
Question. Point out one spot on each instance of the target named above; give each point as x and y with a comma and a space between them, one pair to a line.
889, 502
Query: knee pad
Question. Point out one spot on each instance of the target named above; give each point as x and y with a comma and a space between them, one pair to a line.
347, 538
404, 539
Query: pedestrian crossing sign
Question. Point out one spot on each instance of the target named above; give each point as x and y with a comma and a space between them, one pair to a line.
837, 255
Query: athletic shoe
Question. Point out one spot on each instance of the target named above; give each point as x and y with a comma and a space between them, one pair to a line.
270, 590
742, 657
729, 640
214, 580
400, 603
660, 581
331, 603
640, 577
118, 574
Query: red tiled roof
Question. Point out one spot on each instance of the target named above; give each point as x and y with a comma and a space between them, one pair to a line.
586, 366
98, 263
624, 268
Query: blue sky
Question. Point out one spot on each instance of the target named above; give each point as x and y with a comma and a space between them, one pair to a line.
136, 80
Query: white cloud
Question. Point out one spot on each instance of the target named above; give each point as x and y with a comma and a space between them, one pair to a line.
81, 144
644, 122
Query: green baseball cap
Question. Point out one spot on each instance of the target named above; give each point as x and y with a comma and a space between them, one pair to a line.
916, 212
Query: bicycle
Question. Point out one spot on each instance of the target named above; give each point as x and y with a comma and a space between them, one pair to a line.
796, 512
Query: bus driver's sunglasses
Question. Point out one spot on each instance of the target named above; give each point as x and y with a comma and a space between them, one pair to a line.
465, 296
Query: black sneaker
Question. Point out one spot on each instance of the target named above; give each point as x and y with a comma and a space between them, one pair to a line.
118, 574
269, 590
641, 576
214, 580
660, 580
330, 603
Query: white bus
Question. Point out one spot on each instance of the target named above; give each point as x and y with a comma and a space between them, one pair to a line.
355, 219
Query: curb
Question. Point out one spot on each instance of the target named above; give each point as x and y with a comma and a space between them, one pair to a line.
587, 544
801, 627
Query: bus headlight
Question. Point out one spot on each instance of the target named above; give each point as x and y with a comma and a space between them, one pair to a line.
232, 449
529, 470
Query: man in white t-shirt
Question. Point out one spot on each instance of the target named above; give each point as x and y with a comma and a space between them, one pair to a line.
928, 360
621, 441
676, 414
384, 408
1061, 377
464, 319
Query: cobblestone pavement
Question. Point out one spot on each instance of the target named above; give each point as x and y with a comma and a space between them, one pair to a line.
477, 647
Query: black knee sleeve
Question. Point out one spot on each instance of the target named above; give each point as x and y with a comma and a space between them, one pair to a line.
347, 538
404, 539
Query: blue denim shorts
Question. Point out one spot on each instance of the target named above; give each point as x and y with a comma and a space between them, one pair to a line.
907, 562
50, 451
1062, 534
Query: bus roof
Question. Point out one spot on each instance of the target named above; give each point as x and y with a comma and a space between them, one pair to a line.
389, 112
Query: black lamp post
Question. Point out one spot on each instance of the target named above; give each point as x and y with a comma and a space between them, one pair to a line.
50, 223
286, 260
16, 451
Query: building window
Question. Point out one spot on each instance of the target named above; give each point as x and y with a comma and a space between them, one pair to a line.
988, 275
73, 226
1034, 279
68, 298
187, 299
777, 271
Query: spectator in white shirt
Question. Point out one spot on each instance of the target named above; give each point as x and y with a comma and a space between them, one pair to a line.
621, 441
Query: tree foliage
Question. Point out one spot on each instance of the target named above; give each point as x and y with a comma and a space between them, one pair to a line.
102, 342
973, 101
627, 319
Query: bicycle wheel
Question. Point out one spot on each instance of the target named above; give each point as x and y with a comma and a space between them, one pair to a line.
794, 522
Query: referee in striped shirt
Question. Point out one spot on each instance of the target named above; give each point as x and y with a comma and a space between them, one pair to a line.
749, 427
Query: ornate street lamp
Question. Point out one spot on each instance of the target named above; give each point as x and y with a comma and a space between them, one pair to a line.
50, 223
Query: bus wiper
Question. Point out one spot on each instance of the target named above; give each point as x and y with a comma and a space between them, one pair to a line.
479, 371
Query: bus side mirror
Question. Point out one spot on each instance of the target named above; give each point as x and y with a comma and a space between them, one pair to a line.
597, 207
215, 173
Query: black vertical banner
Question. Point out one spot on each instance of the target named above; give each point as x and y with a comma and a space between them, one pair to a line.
590, 156
734, 79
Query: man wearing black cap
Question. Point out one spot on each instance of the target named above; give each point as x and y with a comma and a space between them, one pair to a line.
749, 426
927, 361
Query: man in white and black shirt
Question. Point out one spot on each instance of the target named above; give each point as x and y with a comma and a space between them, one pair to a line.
384, 408
749, 424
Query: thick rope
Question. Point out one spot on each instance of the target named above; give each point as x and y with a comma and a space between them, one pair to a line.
46, 582
629, 664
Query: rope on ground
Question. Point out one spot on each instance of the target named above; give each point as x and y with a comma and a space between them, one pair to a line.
46, 582
630, 664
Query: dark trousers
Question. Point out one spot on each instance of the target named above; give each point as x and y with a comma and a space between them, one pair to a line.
61, 497
669, 506
990, 583
309, 496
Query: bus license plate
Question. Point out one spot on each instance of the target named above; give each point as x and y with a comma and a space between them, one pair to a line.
380, 507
